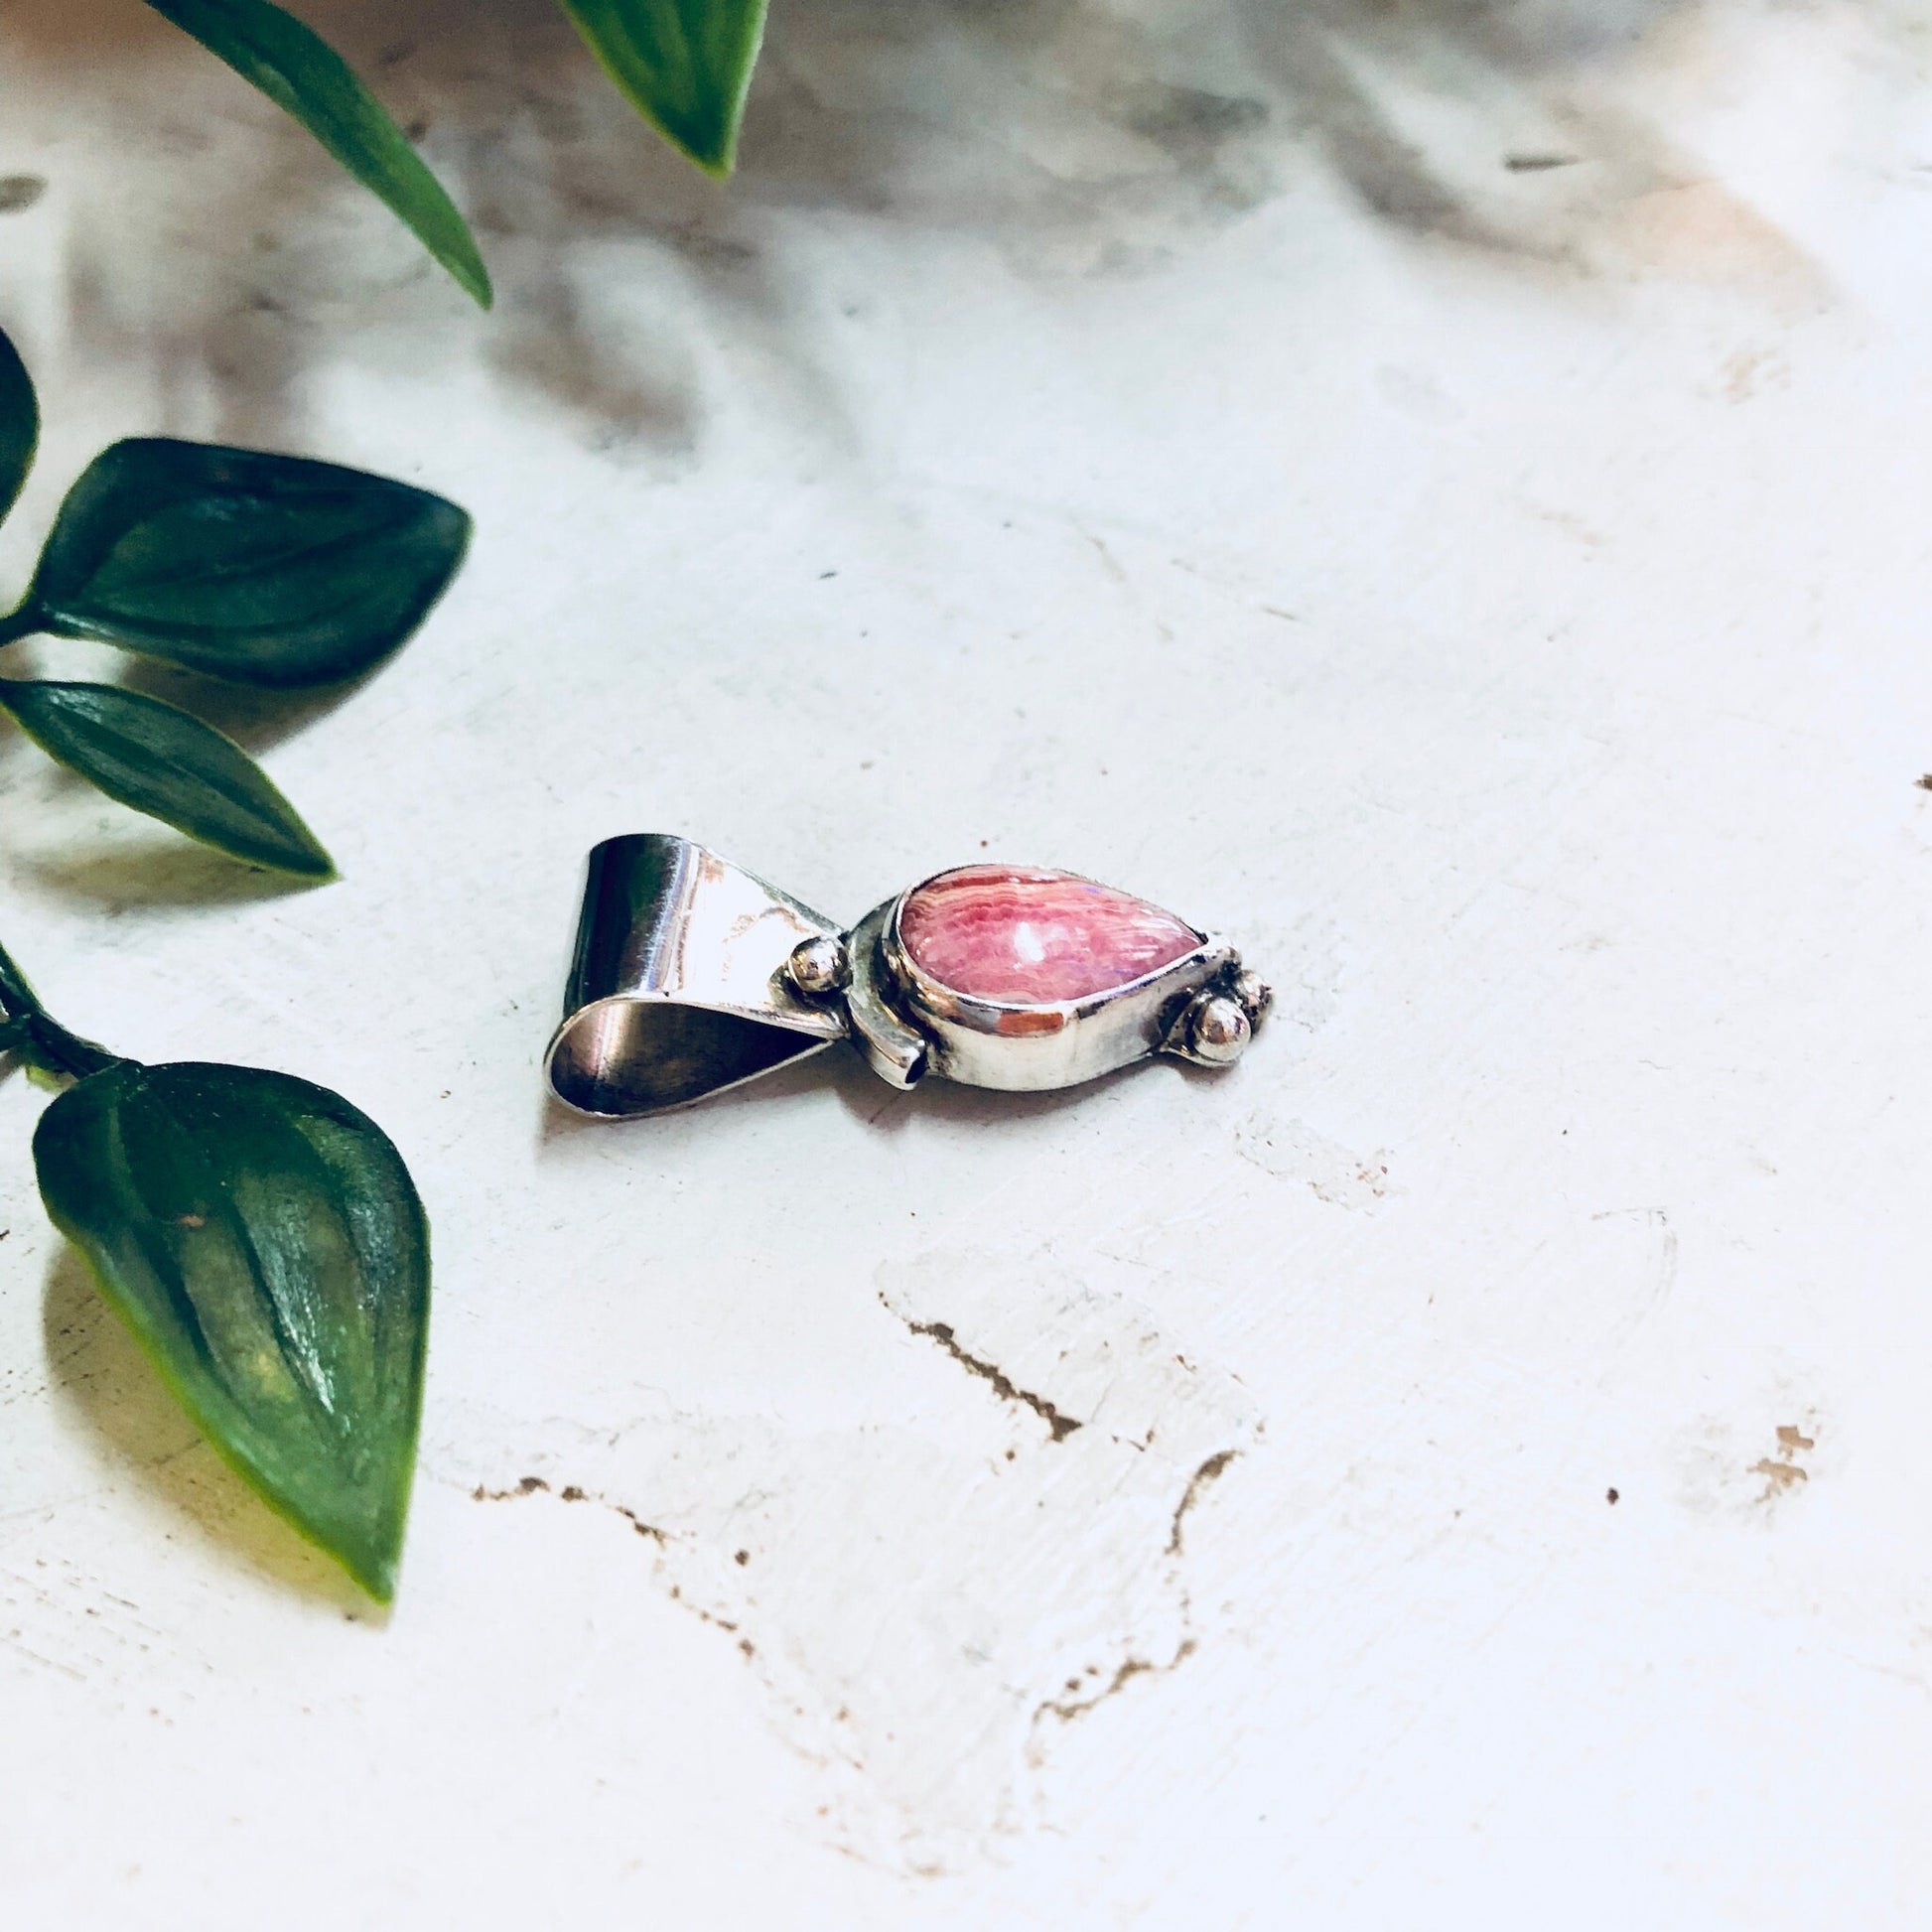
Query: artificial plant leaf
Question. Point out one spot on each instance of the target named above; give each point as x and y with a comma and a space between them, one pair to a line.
304, 75
162, 762
264, 1242
268, 570
20, 423
685, 65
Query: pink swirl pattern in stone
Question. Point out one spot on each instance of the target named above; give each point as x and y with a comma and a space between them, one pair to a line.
1026, 936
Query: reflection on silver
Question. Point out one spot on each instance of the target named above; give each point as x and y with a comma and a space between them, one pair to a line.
898, 1053
692, 975
1215, 1030
818, 966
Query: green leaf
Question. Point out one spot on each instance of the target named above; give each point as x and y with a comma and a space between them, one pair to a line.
263, 1240
162, 762
684, 64
302, 73
267, 570
20, 423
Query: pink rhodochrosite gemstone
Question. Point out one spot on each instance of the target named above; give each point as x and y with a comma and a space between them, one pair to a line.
1026, 936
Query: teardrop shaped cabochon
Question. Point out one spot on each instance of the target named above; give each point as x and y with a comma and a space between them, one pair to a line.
1024, 935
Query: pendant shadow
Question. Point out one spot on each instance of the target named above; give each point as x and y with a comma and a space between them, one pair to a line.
859, 1091
107, 1386
884, 1109
794, 1082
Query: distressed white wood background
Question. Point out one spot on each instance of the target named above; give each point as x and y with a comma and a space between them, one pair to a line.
1213, 445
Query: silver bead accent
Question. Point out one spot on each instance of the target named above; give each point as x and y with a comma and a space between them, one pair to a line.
1218, 1029
818, 966
1255, 994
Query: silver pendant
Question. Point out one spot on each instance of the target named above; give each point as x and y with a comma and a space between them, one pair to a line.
692, 975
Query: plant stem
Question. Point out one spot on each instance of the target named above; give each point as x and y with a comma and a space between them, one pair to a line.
19, 623
37, 1036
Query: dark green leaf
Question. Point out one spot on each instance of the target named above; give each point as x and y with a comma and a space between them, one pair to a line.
264, 1242
302, 73
20, 423
263, 569
162, 762
684, 64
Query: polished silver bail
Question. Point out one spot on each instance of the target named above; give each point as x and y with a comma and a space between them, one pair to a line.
680, 986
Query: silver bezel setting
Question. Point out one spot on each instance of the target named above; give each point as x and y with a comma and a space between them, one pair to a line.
911, 1024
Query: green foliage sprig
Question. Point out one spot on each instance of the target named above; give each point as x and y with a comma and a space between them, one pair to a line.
259, 1236
684, 64
263, 570
265, 1245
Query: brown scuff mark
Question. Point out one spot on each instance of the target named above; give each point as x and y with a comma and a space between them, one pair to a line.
570, 1492
703, 1615
1076, 1701
1003, 1383
1209, 1471
1783, 1471
638, 1524
1068, 1708
526, 1486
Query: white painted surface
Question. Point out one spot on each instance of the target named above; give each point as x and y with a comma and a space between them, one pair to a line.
1498, 597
